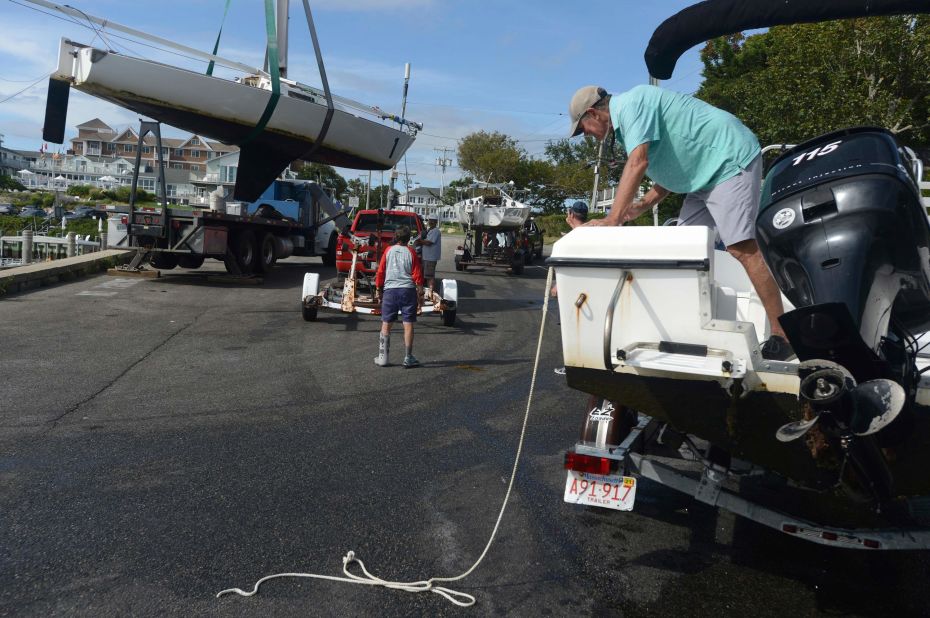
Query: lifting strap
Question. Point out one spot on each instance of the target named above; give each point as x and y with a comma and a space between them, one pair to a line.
216, 46
272, 69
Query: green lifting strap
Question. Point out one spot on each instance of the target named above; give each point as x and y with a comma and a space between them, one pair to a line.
273, 69
216, 46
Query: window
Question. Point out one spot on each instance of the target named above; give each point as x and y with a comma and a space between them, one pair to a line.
195, 168
111, 147
164, 152
195, 154
177, 166
178, 152
146, 149
147, 184
127, 147
227, 173
195, 141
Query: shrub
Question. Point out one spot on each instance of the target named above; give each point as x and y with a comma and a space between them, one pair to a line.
80, 190
9, 183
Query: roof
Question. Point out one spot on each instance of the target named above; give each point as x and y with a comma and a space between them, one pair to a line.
424, 191
96, 123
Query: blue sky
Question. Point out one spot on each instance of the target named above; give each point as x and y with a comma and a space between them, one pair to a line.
505, 65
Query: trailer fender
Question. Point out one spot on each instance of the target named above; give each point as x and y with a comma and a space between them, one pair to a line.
311, 285
450, 290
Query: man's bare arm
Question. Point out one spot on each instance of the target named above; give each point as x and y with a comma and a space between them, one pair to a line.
633, 173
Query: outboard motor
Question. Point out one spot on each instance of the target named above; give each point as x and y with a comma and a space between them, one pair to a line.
843, 230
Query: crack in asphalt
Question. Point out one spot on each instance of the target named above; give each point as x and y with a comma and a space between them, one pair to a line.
54, 422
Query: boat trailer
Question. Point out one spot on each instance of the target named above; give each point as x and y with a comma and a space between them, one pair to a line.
349, 298
683, 463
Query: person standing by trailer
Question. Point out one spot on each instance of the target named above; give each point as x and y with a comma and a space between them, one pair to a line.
399, 284
687, 146
432, 249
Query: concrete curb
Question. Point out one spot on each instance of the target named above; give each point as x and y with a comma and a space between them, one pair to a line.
31, 276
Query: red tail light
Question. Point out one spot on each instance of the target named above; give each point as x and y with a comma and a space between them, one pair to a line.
871, 543
829, 536
124, 219
588, 463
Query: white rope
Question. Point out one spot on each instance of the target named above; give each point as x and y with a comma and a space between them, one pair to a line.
459, 598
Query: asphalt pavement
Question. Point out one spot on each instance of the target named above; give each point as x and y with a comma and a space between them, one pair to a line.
164, 439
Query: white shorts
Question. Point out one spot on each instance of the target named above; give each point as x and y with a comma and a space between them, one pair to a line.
731, 207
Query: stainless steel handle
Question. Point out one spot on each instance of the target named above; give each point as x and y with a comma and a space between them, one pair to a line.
609, 321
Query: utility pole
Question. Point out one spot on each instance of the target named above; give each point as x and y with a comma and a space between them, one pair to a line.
443, 162
403, 113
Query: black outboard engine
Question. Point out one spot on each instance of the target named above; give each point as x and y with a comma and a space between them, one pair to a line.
842, 227
843, 230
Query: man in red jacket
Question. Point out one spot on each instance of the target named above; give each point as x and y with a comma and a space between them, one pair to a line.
400, 285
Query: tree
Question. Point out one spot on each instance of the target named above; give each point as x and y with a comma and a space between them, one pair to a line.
795, 82
324, 175
490, 157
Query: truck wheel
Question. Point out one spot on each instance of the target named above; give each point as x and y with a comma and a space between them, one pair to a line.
448, 317
190, 261
329, 258
517, 266
246, 254
266, 253
309, 313
164, 261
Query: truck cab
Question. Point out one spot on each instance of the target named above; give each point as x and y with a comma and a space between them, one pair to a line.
375, 228
291, 199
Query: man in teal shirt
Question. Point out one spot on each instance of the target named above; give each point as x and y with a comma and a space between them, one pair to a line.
687, 146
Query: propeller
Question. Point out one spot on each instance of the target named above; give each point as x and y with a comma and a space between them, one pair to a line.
829, 388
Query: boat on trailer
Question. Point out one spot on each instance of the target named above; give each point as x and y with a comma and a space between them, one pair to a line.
664, 331
304, 122
500, 212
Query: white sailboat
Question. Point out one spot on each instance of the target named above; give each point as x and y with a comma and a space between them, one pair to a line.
304, 122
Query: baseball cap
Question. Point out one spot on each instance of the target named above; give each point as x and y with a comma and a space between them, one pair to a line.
584, 99
580, 208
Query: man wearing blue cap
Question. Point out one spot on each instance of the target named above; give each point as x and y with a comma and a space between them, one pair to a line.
577, 214
687, 146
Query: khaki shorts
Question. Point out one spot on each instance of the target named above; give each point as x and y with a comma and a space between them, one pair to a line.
731, 207
429, 269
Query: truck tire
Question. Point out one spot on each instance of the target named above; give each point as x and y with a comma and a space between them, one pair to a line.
309, 313
190, 261
164, 261
267, 256
245, 251
329, 258
516, 267
448, 317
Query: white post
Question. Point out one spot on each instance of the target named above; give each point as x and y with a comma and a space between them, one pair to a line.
27, 246
72, 244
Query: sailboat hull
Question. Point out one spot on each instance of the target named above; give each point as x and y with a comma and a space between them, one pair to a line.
229, 111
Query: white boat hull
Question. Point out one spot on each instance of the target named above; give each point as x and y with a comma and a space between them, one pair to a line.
476, 212
228, 111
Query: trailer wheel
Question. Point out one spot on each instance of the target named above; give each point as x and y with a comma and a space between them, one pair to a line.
448, 317
164, 261
329, 258
246, 254
266, 253
309, 313
190, 261
517, 266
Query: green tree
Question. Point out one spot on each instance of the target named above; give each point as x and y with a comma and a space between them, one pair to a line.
325, 175
490, 157
795, 82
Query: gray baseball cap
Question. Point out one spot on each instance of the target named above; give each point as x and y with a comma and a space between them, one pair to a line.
584, 99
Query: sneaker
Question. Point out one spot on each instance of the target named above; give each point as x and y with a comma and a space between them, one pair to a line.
777, 348
411, 361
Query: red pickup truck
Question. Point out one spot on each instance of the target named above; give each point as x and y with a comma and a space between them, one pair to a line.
366, 226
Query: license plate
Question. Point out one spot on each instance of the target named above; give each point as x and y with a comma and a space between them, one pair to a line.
611, 491
459, 252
